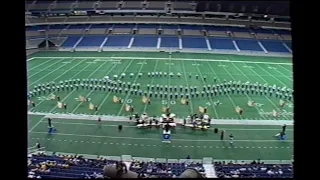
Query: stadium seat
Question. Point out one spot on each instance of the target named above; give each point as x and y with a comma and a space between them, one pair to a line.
274, 46
248, 45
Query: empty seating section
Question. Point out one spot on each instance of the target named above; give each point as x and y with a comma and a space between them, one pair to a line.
169, 26
118, 40
84, 5
71, 41
221, 43
98, 31
156, 5
248, 45
264, 31
108, 5
242, 35
282, 31
58, 41
58, 26
169, 42
183, 6
274, 46
253, 170
77, 19
286, 37
101, 26
144, 19
218, 33
190, 27
132, 5
194, 42
164, 170
146, 31
145, 41
238, 29
56, 19
122, 19
289, 44
192, 32
265, 36
169, 31
146, 26
35, 28
63, 5
91, 41
215, 28
78, 26
99, 18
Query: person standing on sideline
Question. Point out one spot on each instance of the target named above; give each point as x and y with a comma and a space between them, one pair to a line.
222, 135
38, 145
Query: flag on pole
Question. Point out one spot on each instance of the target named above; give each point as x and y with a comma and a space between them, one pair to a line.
115, 99
91, 106
201, 109
127, 107
238, 109
274, 113
60, 104
251, 103
165, 109
183, 101
145, 99
282, 102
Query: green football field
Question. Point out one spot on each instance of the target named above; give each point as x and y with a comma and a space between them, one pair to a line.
85, 136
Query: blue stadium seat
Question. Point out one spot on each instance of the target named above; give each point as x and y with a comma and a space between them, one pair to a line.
78, 26
265, 31
106, 26
238, 29
91, 40
169, 26
58, 26
282, 31
71, 41
191, 27
289, 44
194, 42
124, 25
36, 28
118, 40
169, 41
151, 26
274, 46
248, 45
221, 43
145, 41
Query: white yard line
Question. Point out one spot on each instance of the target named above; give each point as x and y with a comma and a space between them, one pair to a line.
157, 139
47, 68
284, 75
185, 77
286, 69
104, 100
128, 91
46, 61
110, 125
245, 94
260, 78
234, 105
89, 77
54, 71
30, 59
186, 59
70, 78
61, 101
154, 70
272, 75
204, 83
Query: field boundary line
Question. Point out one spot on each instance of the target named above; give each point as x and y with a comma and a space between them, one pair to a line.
152, 139
186, 59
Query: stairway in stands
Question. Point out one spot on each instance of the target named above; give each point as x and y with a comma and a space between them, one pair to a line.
210, 171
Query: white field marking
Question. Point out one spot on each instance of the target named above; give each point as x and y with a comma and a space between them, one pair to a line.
71, 78
233, 129
245, 94
272, 75
54, 71
39, 65
204, 83
136, 78
89, 77
56, 106
267, 96
154, 70
30, 59
284, 75
178, 59
234, 105
157, 139
185, 77
251, 81
104, 100
47, 68
286, 69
